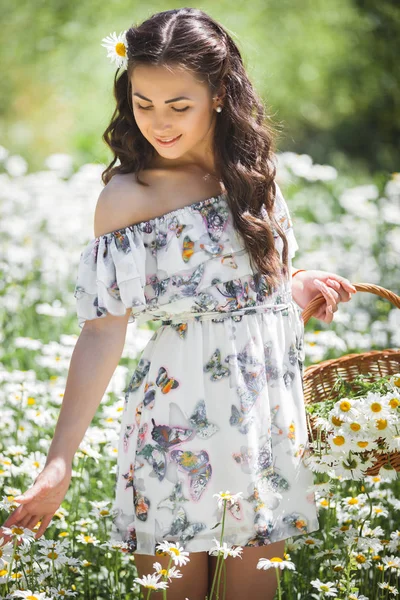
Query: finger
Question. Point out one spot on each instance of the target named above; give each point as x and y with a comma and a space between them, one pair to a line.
43, 526
32, 522
330, 299
24, 520
344, 295
347, 285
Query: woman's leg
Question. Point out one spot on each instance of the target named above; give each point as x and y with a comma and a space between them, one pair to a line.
243, 579
194, 581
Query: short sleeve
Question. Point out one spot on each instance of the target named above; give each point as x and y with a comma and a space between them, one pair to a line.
111, 276
284, 218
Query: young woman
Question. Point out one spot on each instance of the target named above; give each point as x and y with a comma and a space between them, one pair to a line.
191, 229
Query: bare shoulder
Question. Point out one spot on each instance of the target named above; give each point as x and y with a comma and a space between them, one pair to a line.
124, 201
121, 202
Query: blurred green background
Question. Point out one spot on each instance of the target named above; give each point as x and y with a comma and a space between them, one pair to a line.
328, 72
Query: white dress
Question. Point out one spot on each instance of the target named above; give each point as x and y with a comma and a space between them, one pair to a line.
216, 402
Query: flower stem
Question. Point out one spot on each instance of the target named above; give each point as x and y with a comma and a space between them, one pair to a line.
279, 583
218, 569
165, 578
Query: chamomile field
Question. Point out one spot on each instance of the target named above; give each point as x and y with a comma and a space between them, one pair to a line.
347, 226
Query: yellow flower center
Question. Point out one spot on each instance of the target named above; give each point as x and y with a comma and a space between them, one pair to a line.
376, 407
338, 440
381, 424
353, 501
336, 421
120, 50
17, 530
362, 444
52, 555
324, 502
345, 406
324, 588
355, 426
175, 551
31, 597
394, 403
276, 559
397, 382
163, 572
360, 558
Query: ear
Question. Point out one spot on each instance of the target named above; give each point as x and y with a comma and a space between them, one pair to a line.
219, 96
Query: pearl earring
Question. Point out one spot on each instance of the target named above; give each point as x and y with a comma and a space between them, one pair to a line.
219, 109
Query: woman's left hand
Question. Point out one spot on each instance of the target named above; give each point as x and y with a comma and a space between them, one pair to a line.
335, 288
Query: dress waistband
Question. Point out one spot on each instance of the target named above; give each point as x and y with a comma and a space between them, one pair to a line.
221, 315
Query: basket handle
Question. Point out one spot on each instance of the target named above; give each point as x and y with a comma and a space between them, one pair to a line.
360, 287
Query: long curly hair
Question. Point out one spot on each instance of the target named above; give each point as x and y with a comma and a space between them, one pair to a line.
243, 140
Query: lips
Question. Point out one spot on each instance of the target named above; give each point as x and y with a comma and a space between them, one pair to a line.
168, 141
171, 139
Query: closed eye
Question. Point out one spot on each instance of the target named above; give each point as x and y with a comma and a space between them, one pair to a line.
175, 109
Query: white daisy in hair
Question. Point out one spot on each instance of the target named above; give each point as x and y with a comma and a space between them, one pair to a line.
117, 48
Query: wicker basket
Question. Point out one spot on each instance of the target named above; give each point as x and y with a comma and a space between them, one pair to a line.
319, 379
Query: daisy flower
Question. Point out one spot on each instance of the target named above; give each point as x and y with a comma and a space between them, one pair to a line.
391, 562
328, 588
171, 573
391, 589
151, 582
225, 550
230, 499
339, 441
393, 443
276, 562
375, 407
19, 533
346, 409
179, 555
117, 46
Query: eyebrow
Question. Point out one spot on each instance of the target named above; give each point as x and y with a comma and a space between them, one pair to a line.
166, 102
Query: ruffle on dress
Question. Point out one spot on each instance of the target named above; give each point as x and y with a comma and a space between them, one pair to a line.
171, 264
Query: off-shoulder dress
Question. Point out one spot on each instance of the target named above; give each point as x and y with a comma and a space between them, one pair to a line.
216, 401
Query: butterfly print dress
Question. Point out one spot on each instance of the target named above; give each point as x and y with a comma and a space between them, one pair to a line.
216, 401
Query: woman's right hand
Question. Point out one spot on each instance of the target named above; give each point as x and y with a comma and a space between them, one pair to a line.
42, 500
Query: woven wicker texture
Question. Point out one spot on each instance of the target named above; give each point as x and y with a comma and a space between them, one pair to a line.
319, 379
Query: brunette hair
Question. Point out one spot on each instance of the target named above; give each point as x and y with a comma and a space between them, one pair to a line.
243, 141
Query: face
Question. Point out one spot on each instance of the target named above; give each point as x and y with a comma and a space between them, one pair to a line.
174, 104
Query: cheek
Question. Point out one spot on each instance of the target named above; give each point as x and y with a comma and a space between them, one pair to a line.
198, 123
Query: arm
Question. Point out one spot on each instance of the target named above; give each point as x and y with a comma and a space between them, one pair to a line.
93, 362
95, 356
